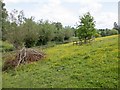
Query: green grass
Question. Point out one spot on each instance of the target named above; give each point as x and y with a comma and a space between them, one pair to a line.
67, 66
5, 46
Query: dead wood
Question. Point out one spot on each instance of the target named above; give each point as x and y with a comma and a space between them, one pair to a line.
25, 55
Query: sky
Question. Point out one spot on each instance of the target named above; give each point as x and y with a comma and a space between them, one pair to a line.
105, 12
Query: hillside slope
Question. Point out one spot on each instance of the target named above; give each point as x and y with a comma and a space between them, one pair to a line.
68, 66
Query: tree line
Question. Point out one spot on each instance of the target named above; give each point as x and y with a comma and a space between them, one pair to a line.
22, 31
107, 32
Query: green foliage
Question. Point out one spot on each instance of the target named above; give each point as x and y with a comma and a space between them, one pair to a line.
21, 31
5, 46
25, 31
113, 32
97, 35
66, 66
107, 32
29, 42
30, 32
86, 29
3, 19
69, 32
14, 33
116, 27
46, 32
58, 25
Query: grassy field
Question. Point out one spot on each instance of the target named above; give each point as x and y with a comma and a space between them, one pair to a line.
67, 66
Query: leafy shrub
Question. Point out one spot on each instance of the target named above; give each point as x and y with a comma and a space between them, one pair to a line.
97, 35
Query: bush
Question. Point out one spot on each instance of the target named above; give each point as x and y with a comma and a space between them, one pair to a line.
97, 35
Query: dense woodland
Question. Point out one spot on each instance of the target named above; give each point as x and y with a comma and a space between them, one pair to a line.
22, 31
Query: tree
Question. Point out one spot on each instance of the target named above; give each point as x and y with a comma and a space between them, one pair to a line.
3, 18
59, 32
58, 25
30, 30
46, 31
113, 32
69, 32
15, 31
107, 32
86, 30
116, 27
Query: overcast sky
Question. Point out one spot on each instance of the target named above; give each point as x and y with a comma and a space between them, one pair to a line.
105, 12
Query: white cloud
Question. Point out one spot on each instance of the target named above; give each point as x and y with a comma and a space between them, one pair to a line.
88, 1
21, 1
55, 11
106, 19
11, 1
103, 19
